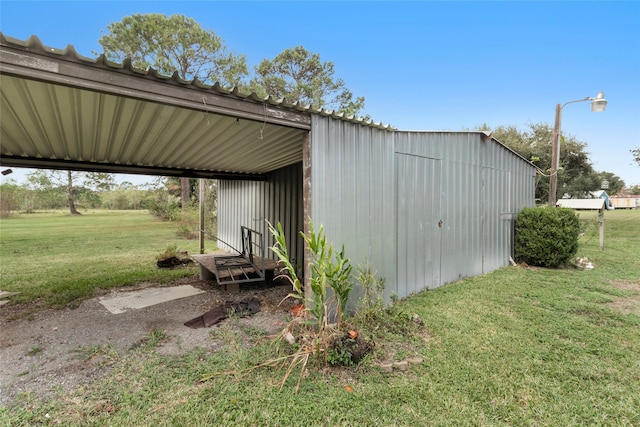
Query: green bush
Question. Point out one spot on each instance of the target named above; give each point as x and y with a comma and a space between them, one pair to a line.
546, 237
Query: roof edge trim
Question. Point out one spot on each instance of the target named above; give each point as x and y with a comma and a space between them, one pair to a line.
58, 164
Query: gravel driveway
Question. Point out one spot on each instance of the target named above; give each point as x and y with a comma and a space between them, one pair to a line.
39, 353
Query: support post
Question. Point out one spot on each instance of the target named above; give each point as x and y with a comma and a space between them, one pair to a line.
555, 157
598, 104
306, 201
601, 224
201, 197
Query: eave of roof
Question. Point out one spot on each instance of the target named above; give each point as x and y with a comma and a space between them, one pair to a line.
64, 111
34, 45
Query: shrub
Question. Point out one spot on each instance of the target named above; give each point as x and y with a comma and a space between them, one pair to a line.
8, 199
164, 206
546, 237
170, 252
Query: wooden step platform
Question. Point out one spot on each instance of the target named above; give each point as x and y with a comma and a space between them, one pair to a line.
230, 270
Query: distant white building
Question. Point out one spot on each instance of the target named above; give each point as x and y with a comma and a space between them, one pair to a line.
601, 194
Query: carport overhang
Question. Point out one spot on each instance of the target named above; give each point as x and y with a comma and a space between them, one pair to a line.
59, 110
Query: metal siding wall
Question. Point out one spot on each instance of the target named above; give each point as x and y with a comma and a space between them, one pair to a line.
418, 213
238, 204
354, 173
509, 187
481, 183
353, 195
460, 197
250, 203
462, 203
497, 240
462, 220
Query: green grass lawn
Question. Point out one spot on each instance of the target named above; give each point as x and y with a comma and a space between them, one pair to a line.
517, 347
55, 259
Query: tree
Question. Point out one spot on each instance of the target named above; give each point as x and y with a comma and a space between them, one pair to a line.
576, 176
49, 189
636, 155
170, 44
174, 44
300, 76
99, 181
615, 183
9, 195
72, 206
53, 185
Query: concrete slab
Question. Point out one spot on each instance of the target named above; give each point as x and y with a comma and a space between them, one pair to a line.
5, 294
146, 297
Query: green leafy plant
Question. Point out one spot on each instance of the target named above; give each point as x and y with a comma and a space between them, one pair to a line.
105, 350
329, 270
373, 287
280, 249
546, 237
340, 281
319, 267
170, 252
164, 206
35, 350
330, 283
339, 353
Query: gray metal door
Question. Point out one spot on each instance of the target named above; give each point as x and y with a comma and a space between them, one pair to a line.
418, 181
497, 219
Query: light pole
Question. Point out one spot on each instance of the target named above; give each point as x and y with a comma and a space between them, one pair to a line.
598, 104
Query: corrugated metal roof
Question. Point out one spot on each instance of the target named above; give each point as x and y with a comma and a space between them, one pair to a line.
62, 110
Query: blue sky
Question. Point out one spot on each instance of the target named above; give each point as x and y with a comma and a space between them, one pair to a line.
421, 65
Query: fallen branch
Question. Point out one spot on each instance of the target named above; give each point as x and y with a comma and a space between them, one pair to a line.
271, 363
300, 356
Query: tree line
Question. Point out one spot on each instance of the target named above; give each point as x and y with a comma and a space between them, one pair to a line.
178, 44
576, 176
77, 192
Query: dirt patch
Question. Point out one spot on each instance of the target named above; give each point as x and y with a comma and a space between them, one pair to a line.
629, 304
50, 350
627, 286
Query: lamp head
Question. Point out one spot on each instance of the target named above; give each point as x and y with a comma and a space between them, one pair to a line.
598, 104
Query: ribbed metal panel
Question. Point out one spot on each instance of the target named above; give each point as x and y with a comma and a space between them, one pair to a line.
483, 186
425, 208
61, 110
353, 193
462, 219
251, 203
48, 121
418, 224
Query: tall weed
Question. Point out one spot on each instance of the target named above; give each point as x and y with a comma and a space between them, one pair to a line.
330, 282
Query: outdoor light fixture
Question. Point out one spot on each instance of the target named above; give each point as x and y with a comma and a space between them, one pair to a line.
6, 172
598, 104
